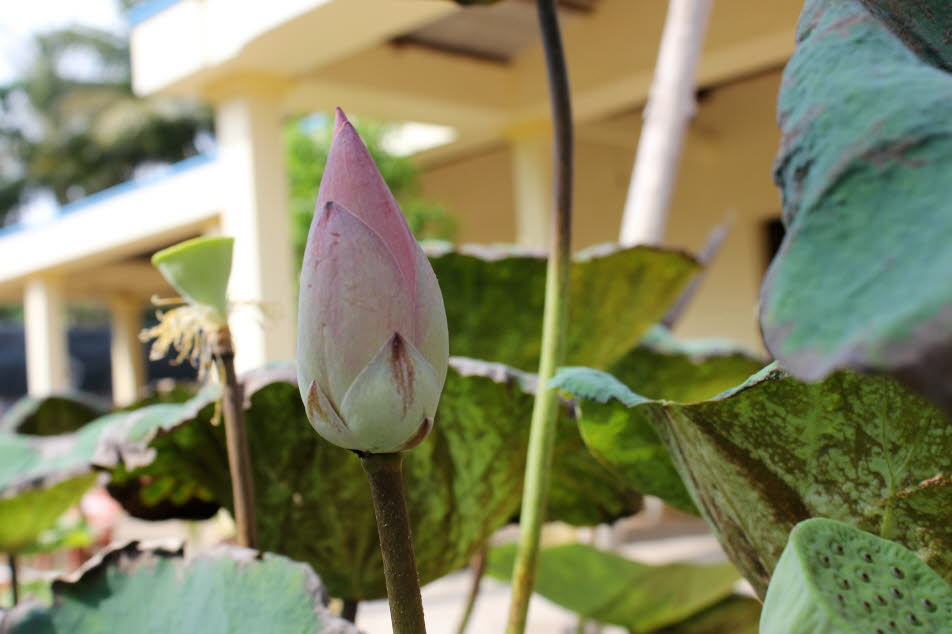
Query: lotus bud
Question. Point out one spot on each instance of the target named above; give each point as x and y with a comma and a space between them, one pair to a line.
372, 343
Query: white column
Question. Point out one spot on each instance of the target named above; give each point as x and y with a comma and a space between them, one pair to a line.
44, 321
256, 215
125, 349
532, 186
669, 110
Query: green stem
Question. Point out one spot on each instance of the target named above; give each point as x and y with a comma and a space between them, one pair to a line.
396, 545
477, 567
545, 410
236, 439
581, 625
14, 584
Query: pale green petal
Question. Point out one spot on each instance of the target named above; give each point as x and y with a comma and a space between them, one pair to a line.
392, 400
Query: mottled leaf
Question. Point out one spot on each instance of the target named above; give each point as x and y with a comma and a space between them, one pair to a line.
462, 483
925, 26
862, 278
312, 498
494, 299
138, 591
685, 370
775, 451
663, 368
612, 589
42, 476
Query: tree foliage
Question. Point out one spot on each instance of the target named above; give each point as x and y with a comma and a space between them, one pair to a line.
306, 147
71, 126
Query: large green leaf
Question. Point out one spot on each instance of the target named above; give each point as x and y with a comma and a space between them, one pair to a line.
659, 367
228, 589
925, 26
612, 589
48, 415
25, 517
733, 615
775, 451
494, 299
169, 488
42, 476
312, 498
685, 370
862, 278
462, 483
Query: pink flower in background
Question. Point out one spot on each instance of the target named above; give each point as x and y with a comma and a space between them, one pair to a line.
372, 340
101, 511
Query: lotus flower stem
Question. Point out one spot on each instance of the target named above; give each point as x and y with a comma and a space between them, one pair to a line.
396, 545
545, 410
349, 611
14, 584
477, 567
236, 439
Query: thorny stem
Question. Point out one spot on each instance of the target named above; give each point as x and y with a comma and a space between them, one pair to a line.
14, 584
236, 439
393, 527
545, 410
477, 567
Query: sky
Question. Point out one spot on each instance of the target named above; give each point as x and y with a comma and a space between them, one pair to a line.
19, 19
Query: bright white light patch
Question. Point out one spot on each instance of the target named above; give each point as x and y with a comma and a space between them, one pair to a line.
411, 137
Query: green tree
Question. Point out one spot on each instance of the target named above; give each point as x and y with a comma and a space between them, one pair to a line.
306, 148
70, 124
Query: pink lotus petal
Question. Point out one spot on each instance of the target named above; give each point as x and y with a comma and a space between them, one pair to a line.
352, 179
353, 298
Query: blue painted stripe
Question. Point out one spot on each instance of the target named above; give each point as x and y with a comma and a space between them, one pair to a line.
142, 11
158, 175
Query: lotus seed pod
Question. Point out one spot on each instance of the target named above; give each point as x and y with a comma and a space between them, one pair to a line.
199, 270
836, 579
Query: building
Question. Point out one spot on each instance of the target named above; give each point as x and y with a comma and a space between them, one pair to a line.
477, 71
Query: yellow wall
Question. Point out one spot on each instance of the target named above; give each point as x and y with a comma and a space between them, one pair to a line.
726, 172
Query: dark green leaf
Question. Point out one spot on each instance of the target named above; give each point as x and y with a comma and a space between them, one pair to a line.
228, 589
924, 25
733, 615
775, 451
462, 483
51, 414
862, 278
312, 498
660, 367
685, 370
42, 476
612, 589
494, 299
